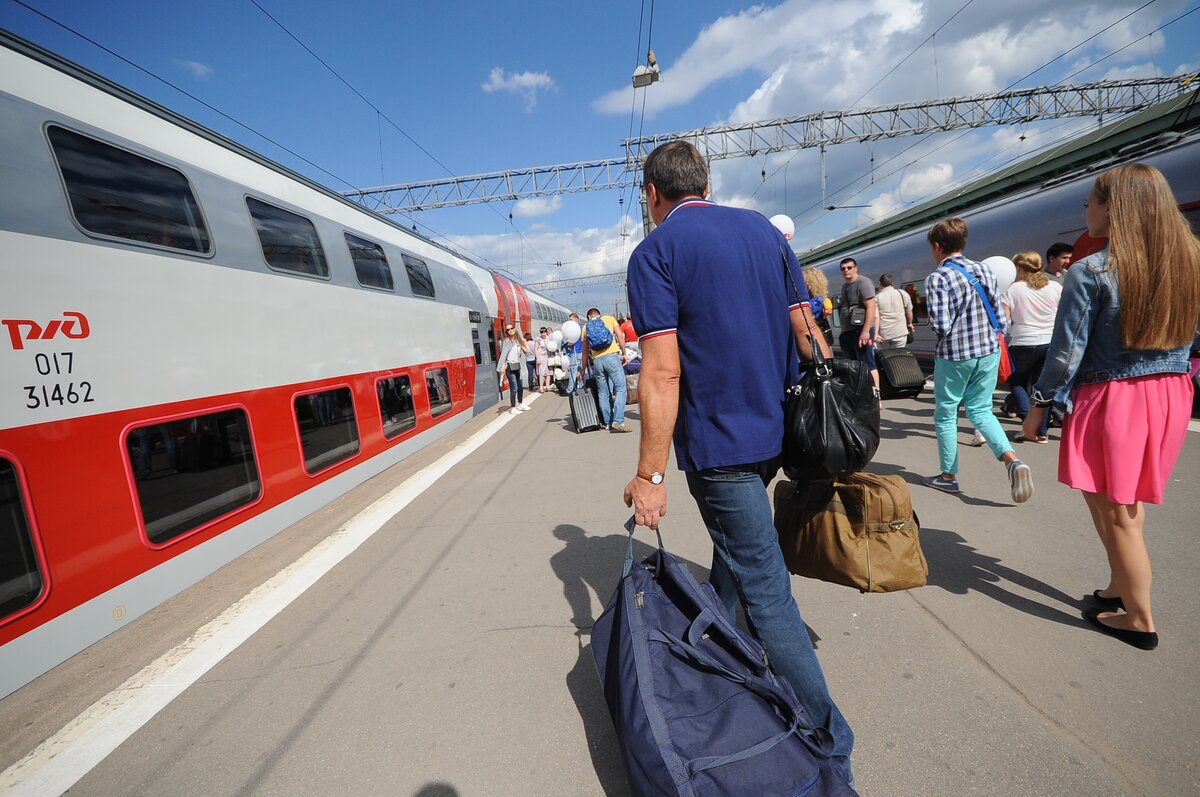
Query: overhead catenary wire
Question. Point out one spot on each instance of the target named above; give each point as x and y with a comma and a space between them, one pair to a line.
382, 115
956, 138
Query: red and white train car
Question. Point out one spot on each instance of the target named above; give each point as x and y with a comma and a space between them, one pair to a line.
198, 347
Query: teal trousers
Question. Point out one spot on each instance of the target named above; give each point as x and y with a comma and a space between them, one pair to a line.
969, 383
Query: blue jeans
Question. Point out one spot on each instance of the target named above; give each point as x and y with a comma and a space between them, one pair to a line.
1028, 362
516, 391
848, 342
574, 368
610, 381
969, 383
748, 567
531, 365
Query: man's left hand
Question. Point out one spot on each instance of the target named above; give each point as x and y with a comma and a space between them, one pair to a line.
865, 340
649, 501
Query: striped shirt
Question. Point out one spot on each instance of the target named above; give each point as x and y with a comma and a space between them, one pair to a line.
956, 312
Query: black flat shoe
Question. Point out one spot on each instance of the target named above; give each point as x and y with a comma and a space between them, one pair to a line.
1142, 640
1108, 603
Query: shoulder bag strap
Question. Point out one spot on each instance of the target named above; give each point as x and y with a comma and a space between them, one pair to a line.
820, 364
974, 282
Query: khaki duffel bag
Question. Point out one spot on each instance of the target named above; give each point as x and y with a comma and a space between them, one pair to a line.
859, 531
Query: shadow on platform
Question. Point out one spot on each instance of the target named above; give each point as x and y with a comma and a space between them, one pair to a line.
436, 790
957, 567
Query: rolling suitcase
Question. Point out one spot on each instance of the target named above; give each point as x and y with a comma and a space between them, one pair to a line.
899, 374
585, 409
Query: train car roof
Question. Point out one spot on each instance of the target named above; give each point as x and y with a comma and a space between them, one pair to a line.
81, 73
1153, 128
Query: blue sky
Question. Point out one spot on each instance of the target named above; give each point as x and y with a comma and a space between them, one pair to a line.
488, 86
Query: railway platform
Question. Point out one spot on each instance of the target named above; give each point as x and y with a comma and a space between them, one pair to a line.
427, 635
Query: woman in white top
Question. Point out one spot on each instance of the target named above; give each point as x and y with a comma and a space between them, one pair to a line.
511, 355
1031, 303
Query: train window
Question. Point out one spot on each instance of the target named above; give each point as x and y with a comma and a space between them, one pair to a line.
493, 346
396, 405
478, 347
437, 380
369, 263
327, 427
119, 194
916, 292
191, 471
20, 574
418, 276
289, 241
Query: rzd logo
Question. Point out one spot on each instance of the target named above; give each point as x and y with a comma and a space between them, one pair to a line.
72, 325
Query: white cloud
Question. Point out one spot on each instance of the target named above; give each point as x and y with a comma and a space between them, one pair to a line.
199, 71
523, 84
537, 206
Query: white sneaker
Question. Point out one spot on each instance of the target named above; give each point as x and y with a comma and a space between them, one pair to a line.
522, 408
513, 411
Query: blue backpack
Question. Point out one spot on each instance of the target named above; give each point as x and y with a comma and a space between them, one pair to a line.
599, 336
697, 710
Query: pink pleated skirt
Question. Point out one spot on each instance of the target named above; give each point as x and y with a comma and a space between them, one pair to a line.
1122, 438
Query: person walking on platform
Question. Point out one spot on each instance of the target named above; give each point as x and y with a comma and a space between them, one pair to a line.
860, 317
531, 360
575, 377
510, 362
701, 284
543, 361
819, 301
1120, 354
1031, 304
627, 330
1058, 260
895, 315
966, 357
605, 352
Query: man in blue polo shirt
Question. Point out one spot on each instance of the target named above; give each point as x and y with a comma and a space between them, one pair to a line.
704, 283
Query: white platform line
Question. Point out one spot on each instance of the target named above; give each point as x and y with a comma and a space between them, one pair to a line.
62, 760
1194, 426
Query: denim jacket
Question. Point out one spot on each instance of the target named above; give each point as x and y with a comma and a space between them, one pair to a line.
1087, 345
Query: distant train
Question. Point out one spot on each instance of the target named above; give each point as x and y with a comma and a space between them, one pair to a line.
198, 347
1043, 206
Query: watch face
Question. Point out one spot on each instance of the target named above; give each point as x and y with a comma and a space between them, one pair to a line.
656, 478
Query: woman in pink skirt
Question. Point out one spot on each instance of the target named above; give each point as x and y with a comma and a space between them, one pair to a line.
1118, 360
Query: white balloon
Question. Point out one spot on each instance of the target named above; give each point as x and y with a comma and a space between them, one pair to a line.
785, 225
551, 345
571, 332
556, 336
1004, 270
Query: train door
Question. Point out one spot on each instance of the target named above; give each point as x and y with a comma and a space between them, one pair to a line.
483, 342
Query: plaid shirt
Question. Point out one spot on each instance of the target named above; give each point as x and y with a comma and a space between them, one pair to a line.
956, 313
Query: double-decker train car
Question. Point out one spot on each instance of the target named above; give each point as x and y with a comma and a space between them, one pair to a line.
198, 347
1029, 206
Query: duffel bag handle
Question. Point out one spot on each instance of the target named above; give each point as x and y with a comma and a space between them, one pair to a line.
630, 526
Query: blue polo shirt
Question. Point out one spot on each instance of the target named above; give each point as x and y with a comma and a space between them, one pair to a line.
713, 276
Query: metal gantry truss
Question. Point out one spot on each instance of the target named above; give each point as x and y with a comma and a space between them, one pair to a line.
1100, 99
579, 282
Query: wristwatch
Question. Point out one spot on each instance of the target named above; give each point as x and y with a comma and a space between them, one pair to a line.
653, 478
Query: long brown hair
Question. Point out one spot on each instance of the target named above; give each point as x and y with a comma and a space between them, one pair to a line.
1030, 268
1155, 256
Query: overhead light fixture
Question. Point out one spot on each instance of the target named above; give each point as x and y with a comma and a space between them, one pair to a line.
643, 76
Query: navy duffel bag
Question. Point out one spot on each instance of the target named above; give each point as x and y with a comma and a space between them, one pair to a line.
698, 712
